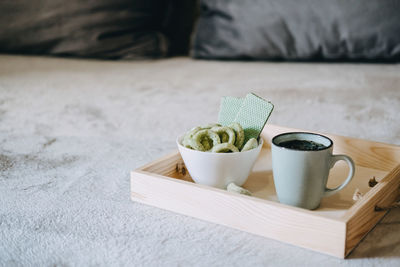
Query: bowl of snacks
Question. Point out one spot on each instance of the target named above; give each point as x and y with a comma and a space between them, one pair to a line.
217, 155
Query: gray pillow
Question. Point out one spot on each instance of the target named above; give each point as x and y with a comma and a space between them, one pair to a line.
96, 28
298, 30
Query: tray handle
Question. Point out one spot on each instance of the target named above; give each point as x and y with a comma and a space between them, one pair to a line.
383, 208
394, 205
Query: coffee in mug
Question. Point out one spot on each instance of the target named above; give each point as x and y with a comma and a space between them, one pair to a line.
302, 145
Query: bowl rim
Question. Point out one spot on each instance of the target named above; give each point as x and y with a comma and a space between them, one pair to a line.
180, 146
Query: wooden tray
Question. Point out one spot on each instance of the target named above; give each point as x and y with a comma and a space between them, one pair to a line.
335, 228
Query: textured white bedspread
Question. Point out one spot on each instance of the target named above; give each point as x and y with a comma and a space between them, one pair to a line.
71, 131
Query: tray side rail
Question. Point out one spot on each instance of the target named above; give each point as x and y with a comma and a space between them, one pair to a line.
261, 217
365, 213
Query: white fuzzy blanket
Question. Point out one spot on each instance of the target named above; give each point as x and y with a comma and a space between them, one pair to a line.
71, 130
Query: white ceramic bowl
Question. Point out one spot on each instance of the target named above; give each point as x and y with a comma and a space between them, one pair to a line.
219, 169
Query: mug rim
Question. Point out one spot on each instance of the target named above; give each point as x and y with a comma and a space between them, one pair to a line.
307, 133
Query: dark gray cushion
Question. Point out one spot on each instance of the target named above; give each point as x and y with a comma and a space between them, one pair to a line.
298, 30
95, 28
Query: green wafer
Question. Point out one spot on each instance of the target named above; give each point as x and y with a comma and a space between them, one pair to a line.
228, 110
253, 115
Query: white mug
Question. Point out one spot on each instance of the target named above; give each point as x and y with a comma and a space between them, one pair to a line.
301, 175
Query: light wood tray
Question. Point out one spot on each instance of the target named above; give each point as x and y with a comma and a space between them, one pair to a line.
335, 228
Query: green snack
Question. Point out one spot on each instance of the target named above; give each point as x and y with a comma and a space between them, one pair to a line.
239, 134
224, 148
253, 115
251, 144
205, 140
210, 125
190, 143
228, 109
218, 139
186, 142
226, 134
237, 189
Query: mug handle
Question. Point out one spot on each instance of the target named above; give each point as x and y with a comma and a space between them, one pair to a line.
349, 161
